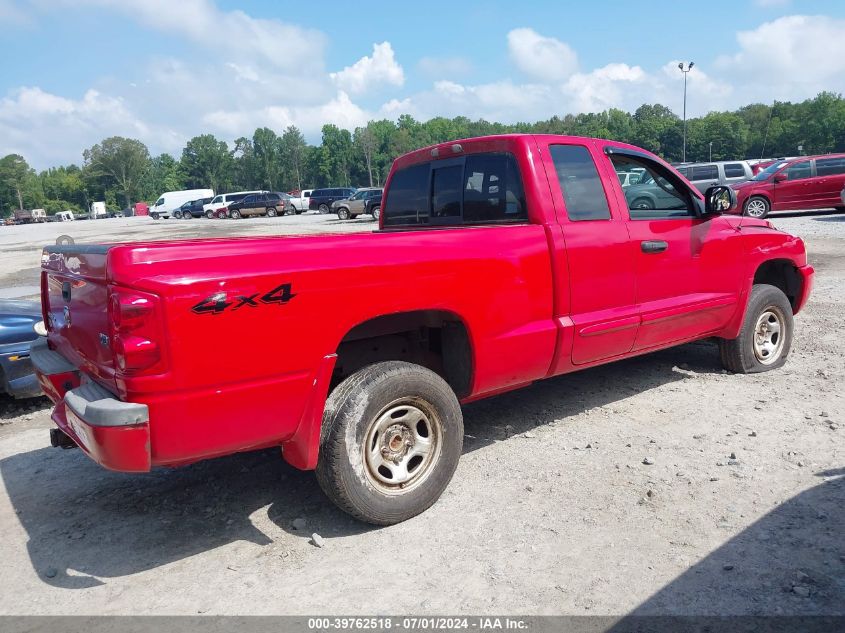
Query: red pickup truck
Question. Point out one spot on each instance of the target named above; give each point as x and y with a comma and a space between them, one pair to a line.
498, 261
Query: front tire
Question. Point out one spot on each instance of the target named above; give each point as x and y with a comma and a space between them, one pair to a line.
376, 213
235, 214
343, 213
757, 207
766, 335
177, 215
187, 215
391, 440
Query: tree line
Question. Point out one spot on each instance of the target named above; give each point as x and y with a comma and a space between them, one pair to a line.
121, 170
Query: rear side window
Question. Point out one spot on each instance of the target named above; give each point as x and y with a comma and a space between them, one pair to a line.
830, 166
705, 172
407, 201
478, 189
734, 170
580, 184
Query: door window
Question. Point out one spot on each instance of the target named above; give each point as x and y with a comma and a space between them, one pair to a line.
705, 172
659, 193
580, 184
797, 171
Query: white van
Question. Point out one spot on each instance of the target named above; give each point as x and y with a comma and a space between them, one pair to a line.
169, 201
218, 207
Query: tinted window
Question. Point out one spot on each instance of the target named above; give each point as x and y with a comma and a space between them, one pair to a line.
249, 199
830, 166
446, 192
217, 199
236, 197
734, 170
407, 199
683, 171
798, 170
704, 172
580, 184
493, 189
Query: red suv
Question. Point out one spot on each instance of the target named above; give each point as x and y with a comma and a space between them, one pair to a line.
807, 182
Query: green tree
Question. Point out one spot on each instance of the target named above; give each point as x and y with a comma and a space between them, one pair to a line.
16, 178
163, 174
267, 150
207, 163
122, 160
335, 156
293, 154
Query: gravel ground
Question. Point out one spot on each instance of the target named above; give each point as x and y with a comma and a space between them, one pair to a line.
658, 485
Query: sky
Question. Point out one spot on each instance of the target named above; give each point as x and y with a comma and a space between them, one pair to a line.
73, 72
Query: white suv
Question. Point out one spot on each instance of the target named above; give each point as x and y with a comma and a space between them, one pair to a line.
219, 205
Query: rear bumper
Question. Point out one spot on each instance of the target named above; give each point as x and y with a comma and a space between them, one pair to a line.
113, 433
807, 277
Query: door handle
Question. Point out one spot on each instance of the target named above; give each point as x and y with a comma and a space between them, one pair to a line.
653, 246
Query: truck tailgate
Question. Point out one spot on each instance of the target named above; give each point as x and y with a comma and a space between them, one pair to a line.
74, 287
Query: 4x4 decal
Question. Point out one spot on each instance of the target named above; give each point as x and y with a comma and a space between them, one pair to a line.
218, 302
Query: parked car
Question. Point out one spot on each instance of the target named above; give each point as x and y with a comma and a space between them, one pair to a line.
356, 204
704, 175
373, 206
169, 201
219, 205
270, 204
321, 199
191, 209
808, 182
20, 323
64, 216
362, 378
300, 200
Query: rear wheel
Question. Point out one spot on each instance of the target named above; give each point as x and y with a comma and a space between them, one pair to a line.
154, 216
376, 213
323, 208
343, 213
271, 212
177, 215
187, 215
642, 203
209, 214
221, 215
766, 335
391, 440
757, 207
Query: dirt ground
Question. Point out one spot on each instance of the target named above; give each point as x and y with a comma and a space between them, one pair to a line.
553, 510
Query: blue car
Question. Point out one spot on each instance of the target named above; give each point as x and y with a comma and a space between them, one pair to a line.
18, 321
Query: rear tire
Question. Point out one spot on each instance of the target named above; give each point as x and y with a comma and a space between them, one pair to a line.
187, 216
209, 214
766, 335
323, 208
391, 440
154, 216
376, 213
757, 207
221, 215
271, 212
177, 215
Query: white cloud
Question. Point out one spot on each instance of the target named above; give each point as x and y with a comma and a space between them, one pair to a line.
771, 3
44, 127
370, 72
603, 87
792, 57
544, 58
13, 15
444, 67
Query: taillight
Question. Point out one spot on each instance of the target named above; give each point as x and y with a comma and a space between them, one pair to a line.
136, 331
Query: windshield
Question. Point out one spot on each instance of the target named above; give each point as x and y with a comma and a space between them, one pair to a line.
768, 171
357, 196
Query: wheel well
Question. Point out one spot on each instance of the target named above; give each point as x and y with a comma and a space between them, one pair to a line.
758, 195
782, 274
434, 339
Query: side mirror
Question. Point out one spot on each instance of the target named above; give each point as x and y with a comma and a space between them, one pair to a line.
719, 199
780, 177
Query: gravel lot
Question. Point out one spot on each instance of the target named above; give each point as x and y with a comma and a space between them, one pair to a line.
656, 485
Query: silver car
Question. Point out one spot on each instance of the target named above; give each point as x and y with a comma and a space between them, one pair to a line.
726, 172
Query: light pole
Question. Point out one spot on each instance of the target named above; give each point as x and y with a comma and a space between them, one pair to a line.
710, 160
689, 68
